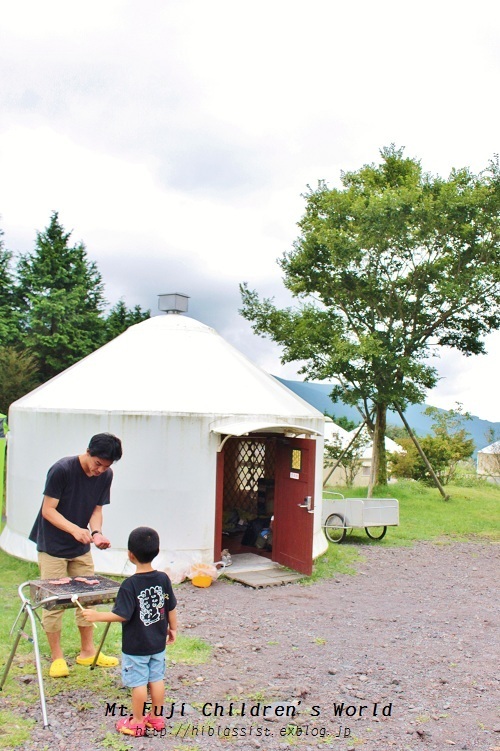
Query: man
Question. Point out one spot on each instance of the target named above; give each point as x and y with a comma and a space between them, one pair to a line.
76, 489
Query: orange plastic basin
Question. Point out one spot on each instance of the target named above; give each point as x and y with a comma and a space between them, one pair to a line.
202, 580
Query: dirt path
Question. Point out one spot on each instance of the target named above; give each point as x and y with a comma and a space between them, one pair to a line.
408, 648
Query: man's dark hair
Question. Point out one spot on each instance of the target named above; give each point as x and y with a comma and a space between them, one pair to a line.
105, 446
144, 543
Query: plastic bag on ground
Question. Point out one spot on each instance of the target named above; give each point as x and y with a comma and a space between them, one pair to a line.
177, 567
203, 569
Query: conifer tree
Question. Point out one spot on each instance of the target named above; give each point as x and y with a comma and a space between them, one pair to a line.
120, 318
9, 325
61, 293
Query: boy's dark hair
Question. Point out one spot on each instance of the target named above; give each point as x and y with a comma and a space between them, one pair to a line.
144, 543
105, 446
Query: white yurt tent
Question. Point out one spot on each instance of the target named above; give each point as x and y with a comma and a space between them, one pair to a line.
334, 432
201, 426
362, 475
488, 462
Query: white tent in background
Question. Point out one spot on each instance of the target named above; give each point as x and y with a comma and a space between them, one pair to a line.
200, 426
335, 432
365, 453
488, 462
391, 446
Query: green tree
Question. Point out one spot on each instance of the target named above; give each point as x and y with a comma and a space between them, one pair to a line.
120, 318
342, 421
387, 269
9, 328
396, 432
449, 445
18, 375
62, 298
404, 464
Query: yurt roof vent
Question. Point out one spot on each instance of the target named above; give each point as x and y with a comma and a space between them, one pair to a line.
173, 302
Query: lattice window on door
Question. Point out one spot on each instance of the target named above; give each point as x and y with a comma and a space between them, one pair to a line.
296, 460
246, 461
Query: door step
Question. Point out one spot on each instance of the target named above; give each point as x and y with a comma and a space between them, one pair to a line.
257, 571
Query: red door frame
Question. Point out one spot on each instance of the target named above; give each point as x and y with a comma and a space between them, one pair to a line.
293, 524
219, 504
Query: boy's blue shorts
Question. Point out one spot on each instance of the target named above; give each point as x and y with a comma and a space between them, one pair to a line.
139, 670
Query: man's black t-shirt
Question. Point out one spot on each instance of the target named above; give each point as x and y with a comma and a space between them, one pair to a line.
145, 600
78, 495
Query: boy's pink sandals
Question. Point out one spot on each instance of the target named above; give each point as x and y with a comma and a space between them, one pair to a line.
127, 726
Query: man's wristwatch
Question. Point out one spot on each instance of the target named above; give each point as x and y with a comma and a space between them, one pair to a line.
96, 532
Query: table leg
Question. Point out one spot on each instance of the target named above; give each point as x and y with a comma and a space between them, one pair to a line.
38, 664
96, 656
14, 649
28, 613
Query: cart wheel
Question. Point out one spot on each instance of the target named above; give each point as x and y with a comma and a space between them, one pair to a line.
376, 533
334, 528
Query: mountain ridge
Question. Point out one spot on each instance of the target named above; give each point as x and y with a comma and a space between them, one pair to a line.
318, 395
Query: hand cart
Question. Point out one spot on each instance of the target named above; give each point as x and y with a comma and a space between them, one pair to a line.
45, 594
341, 515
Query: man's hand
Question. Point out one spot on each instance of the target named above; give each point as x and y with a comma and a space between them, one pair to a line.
82, 535
100, 541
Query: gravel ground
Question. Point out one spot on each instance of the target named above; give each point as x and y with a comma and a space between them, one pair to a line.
407, 649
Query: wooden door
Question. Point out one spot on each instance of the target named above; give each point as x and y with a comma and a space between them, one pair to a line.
293, 504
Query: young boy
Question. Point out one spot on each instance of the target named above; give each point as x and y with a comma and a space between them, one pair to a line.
146, 606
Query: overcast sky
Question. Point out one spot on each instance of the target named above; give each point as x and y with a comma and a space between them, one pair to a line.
176, 137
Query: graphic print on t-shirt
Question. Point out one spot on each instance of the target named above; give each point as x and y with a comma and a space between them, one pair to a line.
152, 602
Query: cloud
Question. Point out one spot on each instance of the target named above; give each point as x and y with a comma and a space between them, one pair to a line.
175, 139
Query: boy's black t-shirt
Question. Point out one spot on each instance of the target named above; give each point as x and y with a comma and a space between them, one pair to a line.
78, 495
145, 600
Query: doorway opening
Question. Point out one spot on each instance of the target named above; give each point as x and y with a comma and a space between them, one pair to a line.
248, 495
